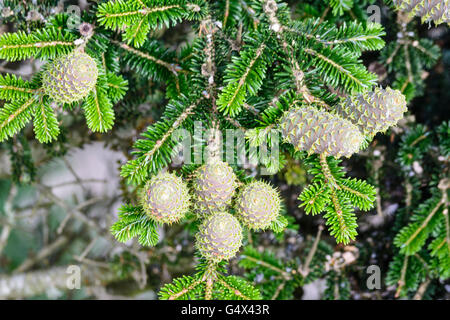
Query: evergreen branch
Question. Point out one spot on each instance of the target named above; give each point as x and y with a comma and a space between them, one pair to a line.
238, 287
157, 149
142, 16
286, 275
226, 13
413, 236
298, 75
46, 43
134, 222
356, 36
304, 271
337, 287
148, 57
278, 290
244, 77
353, 36
338, 68
45, 122
401, 282
340, 219
406, 272
315, 197
249, 13
422, 289
117, 87
137, 32
423, 225
116, 14
329, 178
14, 88
153, 60
175, 125
210, 276
279, 224
181, 288
360, 193
209, 288
14, 116
177, 295
98, 109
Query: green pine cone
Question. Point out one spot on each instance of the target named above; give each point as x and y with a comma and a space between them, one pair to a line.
258, 205
436, 10
317, 131
70, 78
219, 237
374, 111
214, 186
165, 198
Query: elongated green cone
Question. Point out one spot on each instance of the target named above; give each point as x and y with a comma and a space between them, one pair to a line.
165, 198
70, 78
375, 111
214, 186
317, 131
436, 10
258, 205
219, 237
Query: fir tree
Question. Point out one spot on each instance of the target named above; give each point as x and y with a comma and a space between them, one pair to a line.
272, 76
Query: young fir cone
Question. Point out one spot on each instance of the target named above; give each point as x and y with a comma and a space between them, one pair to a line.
219, 237
70, 78
374, 111
214, 186
165, 198
436, 10
258, 205
317, 131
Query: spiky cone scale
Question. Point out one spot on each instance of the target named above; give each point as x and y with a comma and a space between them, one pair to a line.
219, 237
317, 131
435, 10
214, 185
165, 198
70, 78
375, 111
258, 205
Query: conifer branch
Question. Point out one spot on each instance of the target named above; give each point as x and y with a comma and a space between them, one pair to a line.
401, 281
328, 64
234, 290
327, 172
424, 223
278, 290
174, 126
14, 88
304, 271
14, 116
175, 296
174, 68
45, 43
158, 148
250, 65
284, 274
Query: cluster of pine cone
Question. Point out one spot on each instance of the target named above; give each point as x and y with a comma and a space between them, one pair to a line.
342, 131
166, 199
